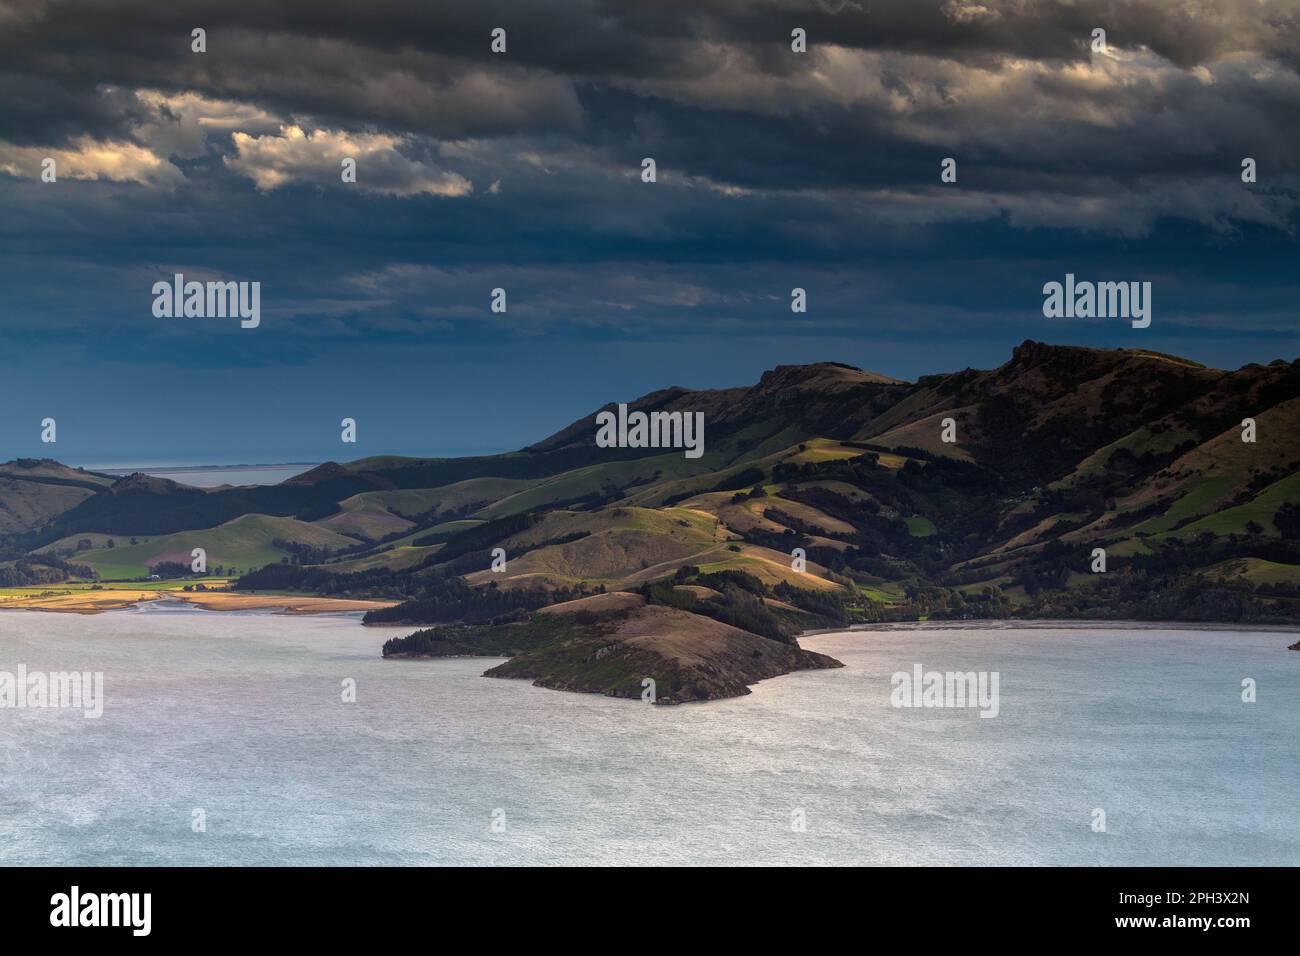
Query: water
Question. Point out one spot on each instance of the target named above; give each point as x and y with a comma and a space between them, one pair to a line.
241, 715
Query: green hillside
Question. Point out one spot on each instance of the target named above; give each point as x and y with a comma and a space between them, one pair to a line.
244, 543
820, 484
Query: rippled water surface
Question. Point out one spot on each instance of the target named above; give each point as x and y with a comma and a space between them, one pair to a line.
242, 715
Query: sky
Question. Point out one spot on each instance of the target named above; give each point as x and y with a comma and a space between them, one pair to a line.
522, 170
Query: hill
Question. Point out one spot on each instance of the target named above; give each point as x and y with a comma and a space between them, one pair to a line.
825, 494
244, 543
33, 491
620, 646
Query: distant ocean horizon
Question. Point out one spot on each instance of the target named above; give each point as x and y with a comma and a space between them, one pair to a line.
213, 476
251, 471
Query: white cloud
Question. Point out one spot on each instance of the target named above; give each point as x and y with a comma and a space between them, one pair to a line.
91, 159
294, 155
183, 122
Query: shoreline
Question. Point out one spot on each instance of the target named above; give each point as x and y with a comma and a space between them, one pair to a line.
1077, 624
101, 602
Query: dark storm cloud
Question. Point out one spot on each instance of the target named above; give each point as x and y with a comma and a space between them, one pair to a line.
647, 38
1007, 86
885, 88
42, 110
274, 51
522, 170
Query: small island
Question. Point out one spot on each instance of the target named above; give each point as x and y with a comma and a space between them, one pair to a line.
612, 643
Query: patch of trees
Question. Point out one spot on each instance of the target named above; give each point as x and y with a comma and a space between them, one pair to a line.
795, 527
170, 569
785, 471
828, 605
435, 642
872, 531
425, 598
957, 496
717, 580
863, 470
1176, 555
735, 605
950, 474
745, 478
984, 604
446, 599
1287, 521
911, 451
740, 608
665, 593
1137, 515
854, 512
1280, 589
39, 569
1123, 465
1261, 480
70, 568
785, 540
300, 553
961, 498
480, 536
372, 583
318, 511
503, 637
758, 491
1086, 498
1178, 598
1030, 452
1164, 585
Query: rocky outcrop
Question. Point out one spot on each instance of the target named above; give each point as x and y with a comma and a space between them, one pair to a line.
688, 657
620, 646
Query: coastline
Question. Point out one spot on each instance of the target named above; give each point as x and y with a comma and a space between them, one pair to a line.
99, 602
218, 599
1053, 623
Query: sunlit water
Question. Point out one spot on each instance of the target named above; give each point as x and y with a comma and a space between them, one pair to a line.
242, 715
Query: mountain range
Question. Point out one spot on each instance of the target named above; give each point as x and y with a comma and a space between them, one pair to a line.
1186, 477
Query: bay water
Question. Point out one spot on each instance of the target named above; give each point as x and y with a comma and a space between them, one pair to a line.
240, 720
